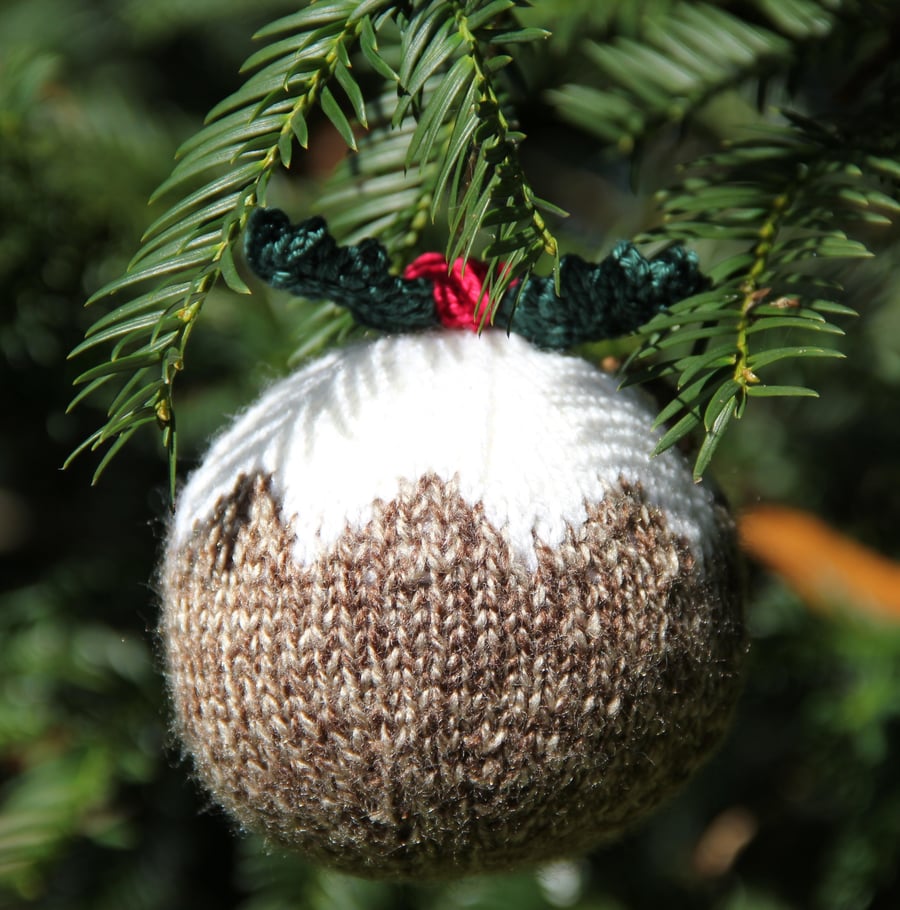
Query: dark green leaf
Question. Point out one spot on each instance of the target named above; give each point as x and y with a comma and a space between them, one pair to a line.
887, 167
417, 37
771, 391
117, 330
439, 108
723, 395
318, 14
713, 358
352, 90
367, 8
713, 438
300, 129
783, 322
520, 35
165, 267
438, 52
368, 44
235, 179
685, 425
486, 13
185, 231
831, 306
124, 435
230, 272
333, 112
154, 300
128, 364
459, 142
773, 355
89, 389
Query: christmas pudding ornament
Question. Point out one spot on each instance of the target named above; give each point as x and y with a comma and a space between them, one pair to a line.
430, 606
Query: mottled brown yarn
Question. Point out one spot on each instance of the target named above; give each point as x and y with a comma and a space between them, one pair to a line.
417, 704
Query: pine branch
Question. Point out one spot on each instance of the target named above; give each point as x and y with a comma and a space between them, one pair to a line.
447, 145
374, 193
779, 198
444, 141
465, 133
685, 54
190, 248
463, 143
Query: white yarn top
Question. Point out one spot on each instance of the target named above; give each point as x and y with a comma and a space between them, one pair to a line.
529, 434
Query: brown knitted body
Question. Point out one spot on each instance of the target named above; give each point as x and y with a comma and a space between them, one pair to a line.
419, 704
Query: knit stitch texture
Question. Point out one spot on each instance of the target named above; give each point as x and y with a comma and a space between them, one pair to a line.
463, 670
532, 435
591, 300
417, 705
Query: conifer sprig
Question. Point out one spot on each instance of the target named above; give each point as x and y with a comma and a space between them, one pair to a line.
451, 124
190, 248
783, 200
421, 92
686, 53
465, 129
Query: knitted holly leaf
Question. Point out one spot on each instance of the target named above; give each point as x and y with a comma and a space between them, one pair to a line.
586, 302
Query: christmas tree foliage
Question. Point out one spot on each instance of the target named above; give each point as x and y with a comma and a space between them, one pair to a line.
760, 134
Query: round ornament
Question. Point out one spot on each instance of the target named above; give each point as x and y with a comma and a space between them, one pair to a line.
431, 607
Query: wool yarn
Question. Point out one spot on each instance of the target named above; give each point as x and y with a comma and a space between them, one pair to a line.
430, 608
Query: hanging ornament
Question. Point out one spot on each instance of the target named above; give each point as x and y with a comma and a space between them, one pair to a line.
430, 605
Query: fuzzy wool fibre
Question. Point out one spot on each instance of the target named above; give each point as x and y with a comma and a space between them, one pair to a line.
430, 608
531, 435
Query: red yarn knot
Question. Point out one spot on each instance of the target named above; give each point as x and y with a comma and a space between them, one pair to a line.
457, 291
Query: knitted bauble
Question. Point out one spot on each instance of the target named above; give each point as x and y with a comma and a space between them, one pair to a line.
432, 608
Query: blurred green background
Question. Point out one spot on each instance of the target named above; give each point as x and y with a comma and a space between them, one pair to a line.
800, 808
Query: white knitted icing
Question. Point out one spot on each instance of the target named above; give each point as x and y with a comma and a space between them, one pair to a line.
529, 434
